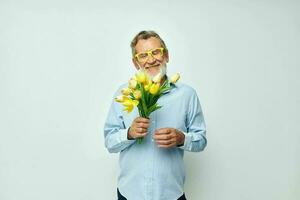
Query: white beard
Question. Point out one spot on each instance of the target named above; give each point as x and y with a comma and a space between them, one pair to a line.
162, 71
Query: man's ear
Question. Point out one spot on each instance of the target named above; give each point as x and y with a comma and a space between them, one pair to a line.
167, 57
135, 64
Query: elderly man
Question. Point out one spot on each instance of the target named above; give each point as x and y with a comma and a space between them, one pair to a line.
154, 169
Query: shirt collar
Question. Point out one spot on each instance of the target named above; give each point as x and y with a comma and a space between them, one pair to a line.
169, 84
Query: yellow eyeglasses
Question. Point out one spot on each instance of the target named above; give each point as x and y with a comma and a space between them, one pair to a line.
155, 53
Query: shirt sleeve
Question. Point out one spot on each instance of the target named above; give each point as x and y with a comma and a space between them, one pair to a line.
195, 136
115, 132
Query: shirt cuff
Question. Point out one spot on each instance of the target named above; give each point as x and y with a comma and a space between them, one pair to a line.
124, 136
187, 141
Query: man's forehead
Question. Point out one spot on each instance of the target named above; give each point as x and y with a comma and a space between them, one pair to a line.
147, 44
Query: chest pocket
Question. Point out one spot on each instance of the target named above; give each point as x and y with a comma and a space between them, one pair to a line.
171, 116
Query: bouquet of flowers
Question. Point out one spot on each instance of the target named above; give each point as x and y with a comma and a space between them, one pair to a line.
144, 93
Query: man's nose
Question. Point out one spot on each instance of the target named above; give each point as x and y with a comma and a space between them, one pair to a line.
151, 59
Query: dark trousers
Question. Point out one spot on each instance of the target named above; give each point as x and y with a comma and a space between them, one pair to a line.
120, 197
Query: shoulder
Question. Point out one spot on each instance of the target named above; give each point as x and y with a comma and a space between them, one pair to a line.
185, 89
119, 88
187, 93
123, 85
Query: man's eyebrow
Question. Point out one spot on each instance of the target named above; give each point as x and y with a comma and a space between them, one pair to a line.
150, 49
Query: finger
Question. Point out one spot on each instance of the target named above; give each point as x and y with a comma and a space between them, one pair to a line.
164, 142
141, 130
142, 125
163, 131
142, 119
142, 134
162, 137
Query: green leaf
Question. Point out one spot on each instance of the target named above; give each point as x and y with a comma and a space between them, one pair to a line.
151, 108
144, 106
163, 90
156, 108
131, 95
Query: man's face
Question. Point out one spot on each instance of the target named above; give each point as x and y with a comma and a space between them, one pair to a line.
150, 63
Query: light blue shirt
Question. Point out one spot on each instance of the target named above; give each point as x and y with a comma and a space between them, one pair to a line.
149, 172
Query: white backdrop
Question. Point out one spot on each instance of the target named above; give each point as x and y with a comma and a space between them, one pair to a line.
61, 61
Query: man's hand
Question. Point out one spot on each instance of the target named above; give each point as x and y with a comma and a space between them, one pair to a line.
138, 128
168, 137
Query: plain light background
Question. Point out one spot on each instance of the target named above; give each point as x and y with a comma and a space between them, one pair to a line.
61, 61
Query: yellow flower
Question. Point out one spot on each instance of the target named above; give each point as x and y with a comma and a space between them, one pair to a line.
132, 83
148, 84
129, 104
147, 87
141, 77
121, 98
175, 78
126, 91
157, 78
154, 88
137, 94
